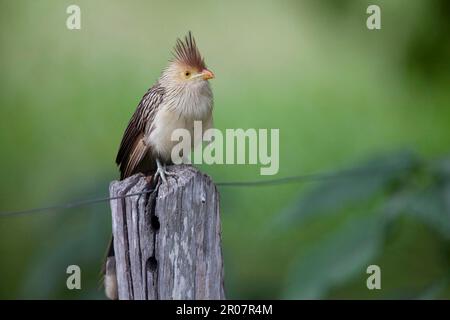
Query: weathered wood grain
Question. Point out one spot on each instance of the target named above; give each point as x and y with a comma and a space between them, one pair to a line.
168, 242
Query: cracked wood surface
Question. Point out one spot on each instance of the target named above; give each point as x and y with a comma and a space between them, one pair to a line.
168, 242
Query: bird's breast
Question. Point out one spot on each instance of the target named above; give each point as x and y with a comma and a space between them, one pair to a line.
167, 120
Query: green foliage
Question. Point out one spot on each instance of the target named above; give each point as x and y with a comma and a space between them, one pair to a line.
356, 185
394, 185
331, 262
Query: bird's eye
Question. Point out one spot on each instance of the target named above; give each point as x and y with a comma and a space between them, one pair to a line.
187, 73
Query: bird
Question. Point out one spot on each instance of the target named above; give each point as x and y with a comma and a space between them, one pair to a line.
181, 95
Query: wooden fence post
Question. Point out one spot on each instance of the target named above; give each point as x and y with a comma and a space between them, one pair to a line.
168, 242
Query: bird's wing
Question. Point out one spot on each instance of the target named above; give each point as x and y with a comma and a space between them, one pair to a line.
133, 147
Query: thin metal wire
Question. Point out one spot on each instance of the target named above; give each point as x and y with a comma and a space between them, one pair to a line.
71, 205
255, 183
277, 181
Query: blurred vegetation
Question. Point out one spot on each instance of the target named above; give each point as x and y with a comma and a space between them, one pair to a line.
341, 95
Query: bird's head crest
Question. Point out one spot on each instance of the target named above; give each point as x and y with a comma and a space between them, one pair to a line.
186, 52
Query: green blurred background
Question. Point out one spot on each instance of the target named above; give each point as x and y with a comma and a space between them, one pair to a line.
343, 97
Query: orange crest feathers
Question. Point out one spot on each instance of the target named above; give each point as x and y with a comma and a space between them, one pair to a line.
187, 52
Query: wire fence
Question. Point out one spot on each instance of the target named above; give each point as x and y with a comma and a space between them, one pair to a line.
254, 183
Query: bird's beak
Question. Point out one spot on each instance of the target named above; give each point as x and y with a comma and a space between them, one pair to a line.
207, 74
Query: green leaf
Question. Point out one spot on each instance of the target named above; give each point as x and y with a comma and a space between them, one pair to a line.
430, 205
333, 261
350, 187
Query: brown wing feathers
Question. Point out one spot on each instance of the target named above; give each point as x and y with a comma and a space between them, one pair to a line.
133, 147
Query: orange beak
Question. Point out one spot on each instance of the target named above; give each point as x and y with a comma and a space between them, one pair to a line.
207, 74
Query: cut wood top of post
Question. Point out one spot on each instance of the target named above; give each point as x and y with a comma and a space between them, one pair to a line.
179, 176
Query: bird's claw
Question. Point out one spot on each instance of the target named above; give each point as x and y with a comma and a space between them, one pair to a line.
162, 172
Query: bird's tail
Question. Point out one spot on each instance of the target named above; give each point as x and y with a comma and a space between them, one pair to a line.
109, 272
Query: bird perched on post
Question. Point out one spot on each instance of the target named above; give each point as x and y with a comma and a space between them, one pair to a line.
181, 96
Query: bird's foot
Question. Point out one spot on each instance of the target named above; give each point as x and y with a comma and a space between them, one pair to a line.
162, 171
